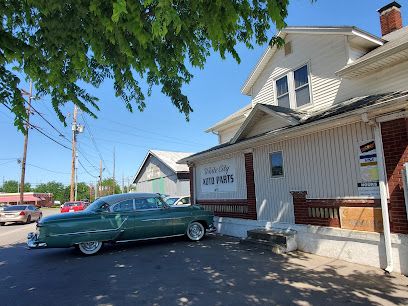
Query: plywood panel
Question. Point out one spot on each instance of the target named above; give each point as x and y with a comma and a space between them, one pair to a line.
367, 219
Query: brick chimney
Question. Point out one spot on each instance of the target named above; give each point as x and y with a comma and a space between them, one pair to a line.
390, 18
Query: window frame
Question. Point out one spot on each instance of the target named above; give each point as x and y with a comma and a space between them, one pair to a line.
287, 93
291, 86
270, 165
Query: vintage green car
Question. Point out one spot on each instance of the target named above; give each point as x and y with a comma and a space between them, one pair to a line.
120, 218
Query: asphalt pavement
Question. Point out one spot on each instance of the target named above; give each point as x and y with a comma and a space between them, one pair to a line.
215, 271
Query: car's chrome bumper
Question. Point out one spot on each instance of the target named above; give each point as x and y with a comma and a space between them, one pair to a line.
211, 229
33, 243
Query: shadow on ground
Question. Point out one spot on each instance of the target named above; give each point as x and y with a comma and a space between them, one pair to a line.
216, 271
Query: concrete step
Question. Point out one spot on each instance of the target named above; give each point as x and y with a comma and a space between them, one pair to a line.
276, 241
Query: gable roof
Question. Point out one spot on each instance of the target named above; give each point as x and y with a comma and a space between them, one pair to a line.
169, 158
368, 38
231, 119
354, 106
391, 53
283, 115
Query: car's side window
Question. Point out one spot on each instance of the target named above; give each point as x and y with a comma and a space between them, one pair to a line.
185, 200
123, 206
145, 203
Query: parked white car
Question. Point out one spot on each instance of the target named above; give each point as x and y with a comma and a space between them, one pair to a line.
182, 201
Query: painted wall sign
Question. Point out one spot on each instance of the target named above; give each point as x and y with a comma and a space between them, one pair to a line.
218, 177
367, 219
368, 185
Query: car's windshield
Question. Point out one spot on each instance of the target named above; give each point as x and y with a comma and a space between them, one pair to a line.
171, 201
16, 207
97, 204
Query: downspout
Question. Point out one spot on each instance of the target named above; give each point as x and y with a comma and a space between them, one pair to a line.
383, 195
194, 186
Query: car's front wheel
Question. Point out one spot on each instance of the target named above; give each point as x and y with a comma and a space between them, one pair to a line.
90, 247
195, 231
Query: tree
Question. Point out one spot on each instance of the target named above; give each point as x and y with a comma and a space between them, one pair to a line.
57, 189
107, 187
12, 186
60, 45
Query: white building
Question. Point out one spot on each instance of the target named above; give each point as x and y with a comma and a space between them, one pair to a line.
321, 148
160, 173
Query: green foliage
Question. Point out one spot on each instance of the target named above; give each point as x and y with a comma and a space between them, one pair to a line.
57, 189
108, 185
12, 186
61, 45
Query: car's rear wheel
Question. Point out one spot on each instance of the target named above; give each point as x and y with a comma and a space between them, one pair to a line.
90, 247
28, 219
195, 231
2, 223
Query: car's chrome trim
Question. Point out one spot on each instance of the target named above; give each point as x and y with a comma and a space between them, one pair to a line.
157, 219
90, 232
152, 238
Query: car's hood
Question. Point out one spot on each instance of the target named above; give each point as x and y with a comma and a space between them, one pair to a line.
65, 216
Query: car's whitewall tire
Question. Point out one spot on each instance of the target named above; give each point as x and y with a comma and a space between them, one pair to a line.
90, 247
195, 231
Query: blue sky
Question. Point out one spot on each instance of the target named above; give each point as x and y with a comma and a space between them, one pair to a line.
214, 93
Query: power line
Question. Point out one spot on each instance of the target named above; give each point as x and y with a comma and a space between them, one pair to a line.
45, 169
150, 132
49, 137
86, 169
88, 128
50, 124
7, 162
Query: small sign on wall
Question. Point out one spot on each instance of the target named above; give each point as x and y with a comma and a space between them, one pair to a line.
368, 186
218, 177
367, 219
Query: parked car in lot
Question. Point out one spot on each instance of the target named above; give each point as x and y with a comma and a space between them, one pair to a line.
178, 201
120, 218
73, 206
20, 213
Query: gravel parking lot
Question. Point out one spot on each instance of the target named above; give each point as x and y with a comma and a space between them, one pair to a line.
216, 271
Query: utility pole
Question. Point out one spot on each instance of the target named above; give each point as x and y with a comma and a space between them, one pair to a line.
76, 128
123, 182
113, 174
23, 162
100, 178
74, 132
76, 177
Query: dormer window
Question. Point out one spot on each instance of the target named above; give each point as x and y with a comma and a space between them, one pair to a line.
292, 90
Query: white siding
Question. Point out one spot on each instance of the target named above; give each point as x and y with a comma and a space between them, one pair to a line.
325, 55
265, 124
325, 164
392, 79
240, 193
227, 134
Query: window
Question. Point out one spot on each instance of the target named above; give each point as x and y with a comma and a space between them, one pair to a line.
123, 206
276, 160
301, 77
146, 203
282, 92
292, 90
